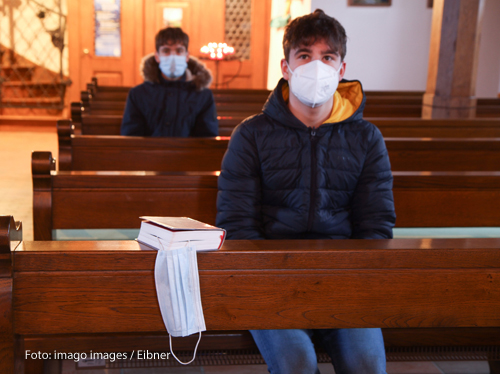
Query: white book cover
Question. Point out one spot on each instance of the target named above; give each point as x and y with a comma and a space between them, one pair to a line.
179, 223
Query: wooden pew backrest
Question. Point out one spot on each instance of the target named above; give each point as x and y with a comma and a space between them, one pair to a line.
97, 200
94, 152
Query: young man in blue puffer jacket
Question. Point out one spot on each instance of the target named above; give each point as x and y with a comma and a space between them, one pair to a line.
310, 167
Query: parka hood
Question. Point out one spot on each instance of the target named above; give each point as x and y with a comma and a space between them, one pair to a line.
196, 72
348, 104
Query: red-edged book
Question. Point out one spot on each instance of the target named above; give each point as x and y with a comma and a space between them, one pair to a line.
176, 232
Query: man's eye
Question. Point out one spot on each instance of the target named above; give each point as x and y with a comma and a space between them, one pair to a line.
328, 58
303, 57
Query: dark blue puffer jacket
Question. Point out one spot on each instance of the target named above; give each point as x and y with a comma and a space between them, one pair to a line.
180, 108
282, 180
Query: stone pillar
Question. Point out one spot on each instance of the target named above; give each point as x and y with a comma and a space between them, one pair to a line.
453, 54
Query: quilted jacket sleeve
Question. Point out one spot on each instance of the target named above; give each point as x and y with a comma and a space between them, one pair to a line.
133, 123
239, 196
206, 123
373, 204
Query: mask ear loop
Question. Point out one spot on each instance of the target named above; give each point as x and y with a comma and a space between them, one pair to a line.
195, 349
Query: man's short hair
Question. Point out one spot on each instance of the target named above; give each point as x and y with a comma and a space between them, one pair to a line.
171, 35
306, 30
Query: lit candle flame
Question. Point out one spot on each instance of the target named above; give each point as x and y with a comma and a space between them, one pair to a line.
216, 51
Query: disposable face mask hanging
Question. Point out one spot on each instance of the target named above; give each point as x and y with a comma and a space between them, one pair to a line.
314, 83
173, 66
178, 290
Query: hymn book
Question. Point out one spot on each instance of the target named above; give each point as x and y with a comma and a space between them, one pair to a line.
176, 232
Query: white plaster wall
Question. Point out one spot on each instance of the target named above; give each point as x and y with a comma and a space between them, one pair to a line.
298, 8
488, 73
387, 47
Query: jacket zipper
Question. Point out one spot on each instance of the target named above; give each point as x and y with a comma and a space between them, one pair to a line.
312, 200
178, 98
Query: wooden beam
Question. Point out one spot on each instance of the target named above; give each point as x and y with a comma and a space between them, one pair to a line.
453, 56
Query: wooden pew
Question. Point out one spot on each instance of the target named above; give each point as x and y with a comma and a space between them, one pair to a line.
104, 124
248, 109
220, 95
117, 93
438, 128
115, 200
89, 152
378, 104
390, 127
223, 108
57, 197
444, 154
442, 288
10, 238
112, 102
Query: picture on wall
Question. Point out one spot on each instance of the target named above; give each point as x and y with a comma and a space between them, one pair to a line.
369, 2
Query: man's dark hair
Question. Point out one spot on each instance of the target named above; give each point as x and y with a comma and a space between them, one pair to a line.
171, 35
306, 30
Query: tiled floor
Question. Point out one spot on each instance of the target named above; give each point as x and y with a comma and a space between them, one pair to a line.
16, 145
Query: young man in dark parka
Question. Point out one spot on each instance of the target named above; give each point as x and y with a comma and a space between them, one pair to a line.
174, 99
310, 167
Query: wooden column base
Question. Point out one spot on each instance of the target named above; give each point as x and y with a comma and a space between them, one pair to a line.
448, 107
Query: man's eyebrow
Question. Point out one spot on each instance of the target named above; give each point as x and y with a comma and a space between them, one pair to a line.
331, 52
303, 49
308, 50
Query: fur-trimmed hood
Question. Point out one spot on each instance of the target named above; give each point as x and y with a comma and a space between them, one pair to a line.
196, 72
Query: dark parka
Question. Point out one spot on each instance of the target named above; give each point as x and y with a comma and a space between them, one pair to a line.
282, 180
182, 108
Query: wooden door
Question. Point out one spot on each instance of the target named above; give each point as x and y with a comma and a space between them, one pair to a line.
251, 72
140, 20
204, 22
84, 63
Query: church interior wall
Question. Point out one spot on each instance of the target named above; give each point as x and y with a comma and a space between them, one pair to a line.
388, 47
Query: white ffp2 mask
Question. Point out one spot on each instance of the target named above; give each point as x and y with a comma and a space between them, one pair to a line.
314, 83
178, 290
173, 66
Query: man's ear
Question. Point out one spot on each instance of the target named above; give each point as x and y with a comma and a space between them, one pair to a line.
157, 57
342, 70
187, 56
285, 70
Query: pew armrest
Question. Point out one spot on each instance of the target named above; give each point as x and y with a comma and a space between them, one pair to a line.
11, 233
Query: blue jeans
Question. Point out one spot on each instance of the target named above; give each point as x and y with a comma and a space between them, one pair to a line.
353, 351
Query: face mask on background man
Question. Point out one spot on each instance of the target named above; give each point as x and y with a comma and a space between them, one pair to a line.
173, 66
314, 83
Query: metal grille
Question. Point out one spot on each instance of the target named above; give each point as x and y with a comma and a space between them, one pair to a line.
32, 54
203, 358
238, 27
253, 357
472, 353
